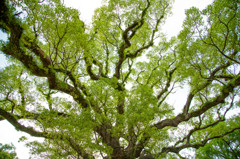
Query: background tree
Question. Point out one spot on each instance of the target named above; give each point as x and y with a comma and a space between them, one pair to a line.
102, 90
7, 151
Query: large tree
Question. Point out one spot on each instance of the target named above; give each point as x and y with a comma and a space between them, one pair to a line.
103, 89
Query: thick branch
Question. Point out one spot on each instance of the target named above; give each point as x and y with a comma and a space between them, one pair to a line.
133, 28
38, 51
80, 151
209, 80
110, 140
196, 145
13, 48
226, 90
167, 84
89, 69
198, 129
12, 119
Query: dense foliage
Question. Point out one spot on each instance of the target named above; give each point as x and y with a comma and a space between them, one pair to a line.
227, 147
7, 151
104, 90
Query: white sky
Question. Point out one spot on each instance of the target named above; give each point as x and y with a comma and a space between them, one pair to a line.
8, 134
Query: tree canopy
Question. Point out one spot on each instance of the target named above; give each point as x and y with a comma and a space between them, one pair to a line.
103, 90
7, 151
